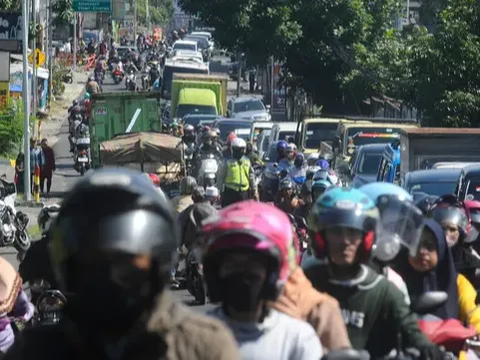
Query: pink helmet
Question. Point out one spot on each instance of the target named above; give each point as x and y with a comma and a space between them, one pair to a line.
255, 226
472, 208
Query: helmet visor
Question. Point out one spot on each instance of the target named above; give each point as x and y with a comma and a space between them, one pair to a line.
402, 224
475, 226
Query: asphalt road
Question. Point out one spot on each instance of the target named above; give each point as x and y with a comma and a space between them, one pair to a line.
65, 176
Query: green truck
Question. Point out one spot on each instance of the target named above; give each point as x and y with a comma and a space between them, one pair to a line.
112, 113
198, 94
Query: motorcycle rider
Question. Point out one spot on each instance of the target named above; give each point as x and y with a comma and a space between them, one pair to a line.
312, 159
101, 66
298, 172
290, 153
236, 177
227, 153
307, 200
184, 200
246, 263
343, 224
92, 86
319, 187
402, 224
189, 136
77, 121
36, 266
281, 151
208, 147
252, 154
287, 199
112, 245
14, 303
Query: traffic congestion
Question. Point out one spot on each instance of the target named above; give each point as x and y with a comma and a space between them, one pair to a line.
335, 238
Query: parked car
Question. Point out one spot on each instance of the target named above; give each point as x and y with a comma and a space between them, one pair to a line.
365, 163
248, 108
468, 185
436, 182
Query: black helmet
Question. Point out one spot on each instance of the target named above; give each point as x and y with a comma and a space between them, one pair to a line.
116, 209
187, 185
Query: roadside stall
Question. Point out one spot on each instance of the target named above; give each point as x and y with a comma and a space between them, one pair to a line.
147, 152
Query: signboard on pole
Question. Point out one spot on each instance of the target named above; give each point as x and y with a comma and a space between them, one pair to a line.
92, 5
39, 58
5, 68
4, 93
10, 30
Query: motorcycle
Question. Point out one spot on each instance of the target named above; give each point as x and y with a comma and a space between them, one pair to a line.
131, 80
145, 80
82, 158
301, 229
13, 224
194, 276
207, 175
50, 304
68, 77
117, 76
188, 157
270, 181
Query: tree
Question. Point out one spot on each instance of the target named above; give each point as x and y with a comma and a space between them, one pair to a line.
444, 68
259, 28
10, 5
63, 12
161, 11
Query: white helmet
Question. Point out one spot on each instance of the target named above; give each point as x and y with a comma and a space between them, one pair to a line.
46, 216
238, 143
313, 157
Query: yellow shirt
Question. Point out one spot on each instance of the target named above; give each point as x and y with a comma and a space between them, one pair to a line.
467, 296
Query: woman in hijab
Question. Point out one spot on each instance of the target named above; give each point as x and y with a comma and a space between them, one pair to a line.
433, 269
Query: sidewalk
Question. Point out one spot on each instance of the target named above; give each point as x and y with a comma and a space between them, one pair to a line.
51, 130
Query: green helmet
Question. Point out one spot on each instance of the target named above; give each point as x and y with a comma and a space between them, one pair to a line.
86, 96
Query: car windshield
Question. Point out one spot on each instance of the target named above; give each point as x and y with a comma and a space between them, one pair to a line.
286, 135
180, 46
242, 130
168, 72
317, 132
368, 163
251, 105
473, 189
185, 109
358, 136
195, 120
436, 188
202, 43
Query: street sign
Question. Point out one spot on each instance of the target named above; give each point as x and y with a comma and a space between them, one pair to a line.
39, 58
92, 5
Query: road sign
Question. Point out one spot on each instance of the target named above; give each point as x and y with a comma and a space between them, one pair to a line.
39, 58
92, 5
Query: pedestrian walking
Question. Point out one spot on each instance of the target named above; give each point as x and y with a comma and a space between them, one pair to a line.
48, 167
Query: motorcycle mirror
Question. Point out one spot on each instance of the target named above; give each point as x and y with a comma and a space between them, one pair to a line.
40, 285
347, 354
429, 301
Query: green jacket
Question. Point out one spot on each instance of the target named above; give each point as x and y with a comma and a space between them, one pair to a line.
373, 309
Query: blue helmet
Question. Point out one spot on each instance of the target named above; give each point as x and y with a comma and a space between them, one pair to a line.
402, 221
347, 208
282, 145
323, 164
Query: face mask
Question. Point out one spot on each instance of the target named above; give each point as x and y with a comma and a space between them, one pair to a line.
242, 291
451, 240
112, 304
237, 154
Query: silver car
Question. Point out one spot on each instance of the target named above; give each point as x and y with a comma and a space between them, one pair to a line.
248, 108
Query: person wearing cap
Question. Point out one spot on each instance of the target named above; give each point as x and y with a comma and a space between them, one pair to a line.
112, 244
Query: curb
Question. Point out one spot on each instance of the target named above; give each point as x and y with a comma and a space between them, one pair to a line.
30, 204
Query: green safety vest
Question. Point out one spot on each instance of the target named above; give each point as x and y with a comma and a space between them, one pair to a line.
238, 174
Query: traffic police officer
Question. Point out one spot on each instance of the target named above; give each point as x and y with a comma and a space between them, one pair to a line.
236, 176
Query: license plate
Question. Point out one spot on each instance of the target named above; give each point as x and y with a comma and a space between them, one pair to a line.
83, 159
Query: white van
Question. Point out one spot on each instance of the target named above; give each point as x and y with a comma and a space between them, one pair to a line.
283, 131
185, 45
257, 128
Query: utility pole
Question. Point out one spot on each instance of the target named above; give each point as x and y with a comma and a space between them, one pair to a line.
135, 22
272, 74
239, 72
51, 52
75, 41
148, 16
34, 68
26, 103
